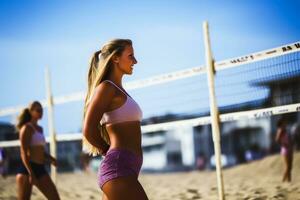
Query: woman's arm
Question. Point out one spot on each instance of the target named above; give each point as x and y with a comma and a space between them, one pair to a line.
278, 135
47, 156
98, 105
25, 138
50, 159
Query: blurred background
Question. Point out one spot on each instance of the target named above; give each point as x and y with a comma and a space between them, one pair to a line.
167, 39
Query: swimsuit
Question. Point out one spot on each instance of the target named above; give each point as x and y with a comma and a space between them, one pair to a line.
129, 111
117, 163
37, 139
120, 162
286, 146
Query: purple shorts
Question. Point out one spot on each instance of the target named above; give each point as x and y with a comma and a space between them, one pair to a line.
285, 151
119, 162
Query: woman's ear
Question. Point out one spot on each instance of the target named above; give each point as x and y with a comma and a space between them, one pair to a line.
115, 59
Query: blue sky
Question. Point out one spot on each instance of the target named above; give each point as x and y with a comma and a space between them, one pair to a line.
167, 36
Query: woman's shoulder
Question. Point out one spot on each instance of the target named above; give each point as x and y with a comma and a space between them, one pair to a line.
106, 83
27, 129
281, 130
105, 88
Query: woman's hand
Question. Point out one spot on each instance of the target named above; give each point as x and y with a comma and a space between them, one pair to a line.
50, 159
33, 179
53, 161
104, 150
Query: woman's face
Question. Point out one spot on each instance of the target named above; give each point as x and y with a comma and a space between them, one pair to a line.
126, 61
37, 112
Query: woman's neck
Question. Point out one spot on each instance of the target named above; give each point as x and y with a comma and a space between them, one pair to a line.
116, 77
33, 121
116, 80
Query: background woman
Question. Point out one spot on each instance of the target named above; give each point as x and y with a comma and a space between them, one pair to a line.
284, 139
33, 155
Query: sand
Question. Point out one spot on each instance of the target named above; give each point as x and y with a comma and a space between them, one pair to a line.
259, 180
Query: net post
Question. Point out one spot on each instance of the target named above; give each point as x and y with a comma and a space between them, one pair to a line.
214, 113
51, 123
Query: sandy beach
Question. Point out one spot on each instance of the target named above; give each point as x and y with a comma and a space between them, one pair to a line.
259, 180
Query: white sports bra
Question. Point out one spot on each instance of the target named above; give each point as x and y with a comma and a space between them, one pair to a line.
37, 137
129, 111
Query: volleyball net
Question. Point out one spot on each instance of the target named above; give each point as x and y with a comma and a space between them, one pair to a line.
256, 85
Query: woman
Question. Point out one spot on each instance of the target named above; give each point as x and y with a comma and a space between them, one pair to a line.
32, 170
111, 113
284, 139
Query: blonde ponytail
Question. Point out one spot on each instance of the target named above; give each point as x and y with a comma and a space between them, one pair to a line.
100, 66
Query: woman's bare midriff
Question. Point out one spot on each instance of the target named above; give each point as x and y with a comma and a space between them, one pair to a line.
126, 135
37, 154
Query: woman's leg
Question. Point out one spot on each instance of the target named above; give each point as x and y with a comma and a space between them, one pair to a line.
126, 187
104, 197
290, 166
286, 168
47, 187
24, 187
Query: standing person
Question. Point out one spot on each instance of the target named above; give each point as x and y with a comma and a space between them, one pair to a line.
33, 155
284, 139
112, 122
